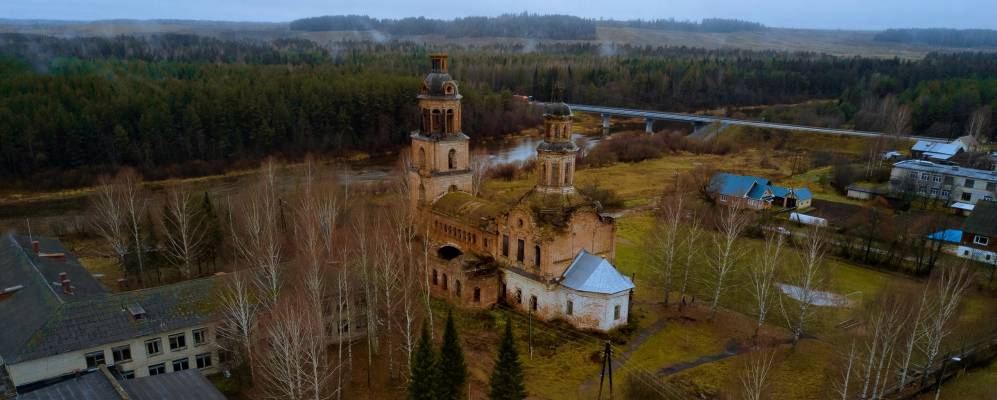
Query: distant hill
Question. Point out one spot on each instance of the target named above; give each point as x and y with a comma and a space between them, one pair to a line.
969, 38
534, 26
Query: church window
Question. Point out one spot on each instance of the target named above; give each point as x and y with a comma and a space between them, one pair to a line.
453, 188
536, 255
477, 295
486, 242
543, 173
616, 312
533, 303
521, 250
452, 159
437, 121
520, 222
451, 128
422, 157
456, 287
519, 296
555, 178
426, 121
445, 286
567, 173
571, 308
505, 245
435, 279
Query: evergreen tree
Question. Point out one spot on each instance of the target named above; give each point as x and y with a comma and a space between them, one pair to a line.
452, 369
213, 235
423, 381
507, 377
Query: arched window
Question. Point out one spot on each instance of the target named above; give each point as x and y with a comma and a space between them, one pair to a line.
437, 121
451, 127
567, 173
555, 175
533, 303
435, 278
422, 157
444, 281
452, 159
456, 288
477, 295
543, 173
422, 193
426, 122
536, 255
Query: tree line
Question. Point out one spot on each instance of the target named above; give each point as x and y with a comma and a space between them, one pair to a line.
940, 37
524, 25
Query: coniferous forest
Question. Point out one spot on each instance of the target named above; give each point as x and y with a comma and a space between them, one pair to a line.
181, 105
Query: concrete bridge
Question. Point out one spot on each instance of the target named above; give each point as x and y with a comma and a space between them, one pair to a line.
700, 121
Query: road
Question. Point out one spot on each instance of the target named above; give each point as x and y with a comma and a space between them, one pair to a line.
705, 119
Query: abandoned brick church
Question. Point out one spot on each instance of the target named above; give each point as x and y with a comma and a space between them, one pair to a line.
548, 254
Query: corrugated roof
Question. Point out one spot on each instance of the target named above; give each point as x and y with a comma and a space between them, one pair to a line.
940, 149
737, 185
91, 386
47, 322
983, 220
182, 385
591, 273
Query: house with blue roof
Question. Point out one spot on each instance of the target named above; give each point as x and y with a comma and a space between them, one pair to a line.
757, 193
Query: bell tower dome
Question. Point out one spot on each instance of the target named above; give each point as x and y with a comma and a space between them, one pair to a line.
440, 156
556, 153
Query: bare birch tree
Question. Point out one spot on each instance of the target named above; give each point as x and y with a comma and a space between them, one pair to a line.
691, 241
762, 276
668, 238
183, 228
109, 217
238, 309
884, 321
731, 224
979, 122
256, 234
807, 280
480, 163
753, 374
133, 202
947, 288
842, 387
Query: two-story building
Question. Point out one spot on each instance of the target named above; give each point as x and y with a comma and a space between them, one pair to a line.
979, 234
950, 183
58, 320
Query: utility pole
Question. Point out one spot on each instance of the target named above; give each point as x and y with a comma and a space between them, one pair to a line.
607, 368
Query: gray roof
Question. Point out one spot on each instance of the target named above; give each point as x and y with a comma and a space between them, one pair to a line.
558, 109
938, 150
90, 386
927, 166
182, 385
435, 81
983, 219
591, 273
49, 323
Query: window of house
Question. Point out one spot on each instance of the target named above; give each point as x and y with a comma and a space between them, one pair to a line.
934, 192
981, 240
925, 177
157, 369
988, 198
121, 354
533, 303
936, 178
536, 255
153, 347
178, 342
992, 186
965, 253
128, 374
477, 295
571, 308
616, 312
519, 296
94, 359
945, 193
181, 364
505, 245
969, 183
200, 336
203, 360
520, 250
967, 196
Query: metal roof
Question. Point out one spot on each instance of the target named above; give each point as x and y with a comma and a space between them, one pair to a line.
753, 187
182, 385
983, 220
928, 166
90, 386
946, 150
591, 273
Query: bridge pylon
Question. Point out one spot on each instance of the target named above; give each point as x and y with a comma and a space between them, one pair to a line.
648, 125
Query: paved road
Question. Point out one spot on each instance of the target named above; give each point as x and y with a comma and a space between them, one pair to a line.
705, 119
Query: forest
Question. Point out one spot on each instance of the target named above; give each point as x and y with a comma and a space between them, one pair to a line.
941, 37
178, 105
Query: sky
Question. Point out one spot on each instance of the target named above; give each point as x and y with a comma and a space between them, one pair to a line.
827, 14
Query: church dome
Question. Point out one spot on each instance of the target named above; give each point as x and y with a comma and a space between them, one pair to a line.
558, 109
439, 84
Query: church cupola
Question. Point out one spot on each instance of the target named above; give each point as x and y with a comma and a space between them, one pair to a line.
556, 153
439, 100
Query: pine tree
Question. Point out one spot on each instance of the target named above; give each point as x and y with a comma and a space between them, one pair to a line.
452, 369
507, 377
423, 379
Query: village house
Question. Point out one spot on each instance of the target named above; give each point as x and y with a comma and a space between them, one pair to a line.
937, 151
67, 323
757, 193
548, 254
957, 186
979, 234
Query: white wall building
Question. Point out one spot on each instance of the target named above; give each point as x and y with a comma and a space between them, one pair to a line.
944, 182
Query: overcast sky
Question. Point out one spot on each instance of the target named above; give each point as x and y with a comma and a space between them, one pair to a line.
843, 14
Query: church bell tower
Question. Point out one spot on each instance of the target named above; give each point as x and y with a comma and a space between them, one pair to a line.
556, 153
440, 159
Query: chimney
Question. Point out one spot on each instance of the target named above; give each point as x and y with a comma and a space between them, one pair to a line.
62, 277
67, 288
37, 247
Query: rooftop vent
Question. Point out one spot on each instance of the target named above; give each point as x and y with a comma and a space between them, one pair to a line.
137, 311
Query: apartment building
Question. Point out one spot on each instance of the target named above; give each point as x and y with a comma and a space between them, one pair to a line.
953, 184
